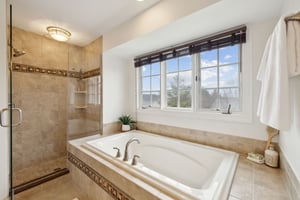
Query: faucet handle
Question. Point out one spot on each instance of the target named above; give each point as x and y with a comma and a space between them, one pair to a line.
118, 152
134, 159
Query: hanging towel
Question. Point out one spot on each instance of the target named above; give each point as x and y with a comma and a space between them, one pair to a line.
293, 47
273, 106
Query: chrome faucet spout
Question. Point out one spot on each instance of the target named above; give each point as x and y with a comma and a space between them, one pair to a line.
127, 146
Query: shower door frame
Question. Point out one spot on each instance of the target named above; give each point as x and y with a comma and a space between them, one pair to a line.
4, 149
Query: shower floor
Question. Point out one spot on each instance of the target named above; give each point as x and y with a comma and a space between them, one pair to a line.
36, 171
60, 188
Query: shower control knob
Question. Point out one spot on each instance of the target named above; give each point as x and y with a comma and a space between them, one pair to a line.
134, 159
118, 155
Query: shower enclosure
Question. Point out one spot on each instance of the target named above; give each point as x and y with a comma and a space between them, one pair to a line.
57, 86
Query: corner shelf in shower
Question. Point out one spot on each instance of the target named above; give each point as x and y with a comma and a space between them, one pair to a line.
81, 92
80, 99
80, 107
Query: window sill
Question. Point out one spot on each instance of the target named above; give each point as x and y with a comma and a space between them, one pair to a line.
240, 117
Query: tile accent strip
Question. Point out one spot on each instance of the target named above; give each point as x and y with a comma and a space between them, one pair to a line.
56, 72
91, 73
33, 69
115, 192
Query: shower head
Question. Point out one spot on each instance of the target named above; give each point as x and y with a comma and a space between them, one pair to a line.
18, 53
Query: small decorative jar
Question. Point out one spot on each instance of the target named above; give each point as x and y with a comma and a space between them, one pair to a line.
271, 157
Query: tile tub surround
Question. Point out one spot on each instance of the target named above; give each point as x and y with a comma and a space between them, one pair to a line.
110, 128
251, 182
123, 181
109, 187
232, 143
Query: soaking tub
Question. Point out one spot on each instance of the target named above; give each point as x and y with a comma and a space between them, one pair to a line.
192, 171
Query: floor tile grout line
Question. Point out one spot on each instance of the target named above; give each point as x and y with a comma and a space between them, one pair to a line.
253, 179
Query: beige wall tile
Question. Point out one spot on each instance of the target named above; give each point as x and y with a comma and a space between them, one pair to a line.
44, 98
76, 58
228, 142
111, 128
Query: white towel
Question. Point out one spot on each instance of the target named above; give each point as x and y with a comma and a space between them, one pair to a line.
293, 45
273, 106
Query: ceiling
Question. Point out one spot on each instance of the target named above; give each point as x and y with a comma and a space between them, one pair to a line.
85, 19
215, 18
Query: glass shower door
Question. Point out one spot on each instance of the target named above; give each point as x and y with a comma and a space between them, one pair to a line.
11, 116
39, 88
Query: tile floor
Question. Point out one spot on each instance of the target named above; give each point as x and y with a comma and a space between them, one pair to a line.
252, 182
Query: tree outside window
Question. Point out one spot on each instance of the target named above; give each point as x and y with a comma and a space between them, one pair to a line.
178, 82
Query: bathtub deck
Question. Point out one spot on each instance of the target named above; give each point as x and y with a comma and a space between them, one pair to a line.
252, 182
255, 182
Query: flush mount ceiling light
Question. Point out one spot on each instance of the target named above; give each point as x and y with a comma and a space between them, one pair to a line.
58, 33
140, 0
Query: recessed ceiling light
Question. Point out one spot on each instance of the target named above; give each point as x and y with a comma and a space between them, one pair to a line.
139, 0
58, 33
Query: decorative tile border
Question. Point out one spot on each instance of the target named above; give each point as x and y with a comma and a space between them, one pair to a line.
91, 73
115, 192
56, 72
33, 69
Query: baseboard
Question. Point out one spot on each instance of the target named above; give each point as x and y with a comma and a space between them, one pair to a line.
290, 179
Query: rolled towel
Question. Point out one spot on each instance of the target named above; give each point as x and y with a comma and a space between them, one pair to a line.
293, 47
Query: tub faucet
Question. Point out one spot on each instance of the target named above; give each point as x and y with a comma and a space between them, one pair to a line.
127, 146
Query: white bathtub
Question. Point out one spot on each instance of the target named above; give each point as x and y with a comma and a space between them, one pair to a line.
191, 170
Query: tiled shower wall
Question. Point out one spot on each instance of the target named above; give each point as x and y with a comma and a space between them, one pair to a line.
39, 143
86, 121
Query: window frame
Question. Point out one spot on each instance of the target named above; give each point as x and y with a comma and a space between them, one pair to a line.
198, 80
195, 85
165, 99
246, 97
93, 90
140, 88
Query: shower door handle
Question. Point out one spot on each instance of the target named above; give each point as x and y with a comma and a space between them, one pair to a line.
20, 114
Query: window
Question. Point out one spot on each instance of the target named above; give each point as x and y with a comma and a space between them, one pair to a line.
179, 82
94, 88
201, 75
150, 85
220, 78
218, 82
